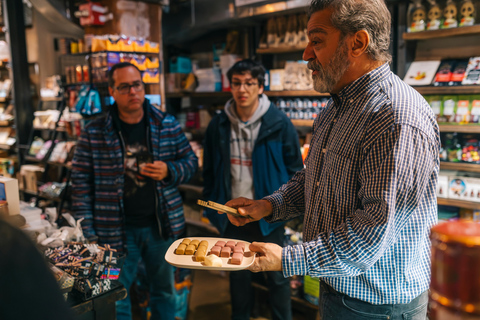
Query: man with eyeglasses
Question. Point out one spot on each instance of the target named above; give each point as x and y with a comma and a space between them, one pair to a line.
126, 170
251, 149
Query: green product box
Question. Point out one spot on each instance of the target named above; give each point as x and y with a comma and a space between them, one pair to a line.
311, 289
449, 109
436, 104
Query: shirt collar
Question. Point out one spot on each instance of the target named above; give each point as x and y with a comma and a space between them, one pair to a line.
362, 84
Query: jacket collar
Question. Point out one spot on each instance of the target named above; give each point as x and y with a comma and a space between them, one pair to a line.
155, 116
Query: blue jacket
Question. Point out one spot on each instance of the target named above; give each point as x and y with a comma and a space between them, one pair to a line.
99, 168
276, 157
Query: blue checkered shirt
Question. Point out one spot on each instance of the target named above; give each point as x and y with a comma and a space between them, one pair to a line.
367, 192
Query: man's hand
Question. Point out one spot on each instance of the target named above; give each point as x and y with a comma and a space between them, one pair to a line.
157, 170
269, 257
256, 209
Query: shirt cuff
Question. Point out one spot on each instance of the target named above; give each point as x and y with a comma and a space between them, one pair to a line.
294, 261
278, 205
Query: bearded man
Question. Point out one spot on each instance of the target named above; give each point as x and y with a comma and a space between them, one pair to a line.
367, 192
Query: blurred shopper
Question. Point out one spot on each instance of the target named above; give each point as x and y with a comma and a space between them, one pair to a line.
28, 289
126, 170
251, 149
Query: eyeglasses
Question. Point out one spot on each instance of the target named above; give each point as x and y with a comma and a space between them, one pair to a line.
248, 85
125, 88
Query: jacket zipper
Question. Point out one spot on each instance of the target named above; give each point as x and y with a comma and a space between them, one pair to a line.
159, 223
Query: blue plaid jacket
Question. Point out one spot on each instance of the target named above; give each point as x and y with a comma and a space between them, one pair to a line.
98, 176
368, 192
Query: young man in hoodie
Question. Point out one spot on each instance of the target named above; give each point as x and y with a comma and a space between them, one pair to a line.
251, 149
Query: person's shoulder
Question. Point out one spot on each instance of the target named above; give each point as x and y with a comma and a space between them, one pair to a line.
274, 115
97, 123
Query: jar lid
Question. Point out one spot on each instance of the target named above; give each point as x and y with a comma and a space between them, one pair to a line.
461, 231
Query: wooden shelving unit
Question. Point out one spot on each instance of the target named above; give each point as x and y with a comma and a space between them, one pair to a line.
280, 50
302, 123
227, 94
458, 203
465, 128
448, 90
443, 33
470, 167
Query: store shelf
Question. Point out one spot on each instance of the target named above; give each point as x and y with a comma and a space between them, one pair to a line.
443, 33
45, 99
471, 167
302, 123
458, 203
96, 52
218, 94
228, 94
296, 93
448, 90
462, 128
280, 50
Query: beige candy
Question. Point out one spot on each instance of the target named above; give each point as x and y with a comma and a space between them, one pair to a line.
181, 249
213, 261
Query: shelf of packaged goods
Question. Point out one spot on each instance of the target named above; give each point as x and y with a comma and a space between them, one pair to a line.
475, 89
460, 166
228, 94
46, 99
296, 93
41, 195
458, 203
302, 123
96, 52
216, 94
284, 49
443, 33
462, 128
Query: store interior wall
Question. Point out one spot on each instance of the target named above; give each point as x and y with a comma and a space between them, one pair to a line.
41, 44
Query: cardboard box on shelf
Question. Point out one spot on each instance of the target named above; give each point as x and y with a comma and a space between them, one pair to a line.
30, 175
9, 193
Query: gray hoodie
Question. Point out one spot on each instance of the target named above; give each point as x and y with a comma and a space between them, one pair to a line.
242, 141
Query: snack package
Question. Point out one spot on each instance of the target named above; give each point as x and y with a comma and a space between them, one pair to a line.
462, 114
436, 104
475, 111
449, 108
450, 15
458, 72
444, 73
468, 13
417, 15
434, 16
472, 74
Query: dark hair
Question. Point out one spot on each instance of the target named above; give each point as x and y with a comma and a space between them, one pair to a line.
350, 16
120, 65
256, 69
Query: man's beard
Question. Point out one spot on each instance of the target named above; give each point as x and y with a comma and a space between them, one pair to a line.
327, 77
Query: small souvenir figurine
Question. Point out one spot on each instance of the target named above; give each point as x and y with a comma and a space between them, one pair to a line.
434, 16
417, 16
467, 13
450, 13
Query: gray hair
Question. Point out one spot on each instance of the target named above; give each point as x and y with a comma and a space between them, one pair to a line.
350, 16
